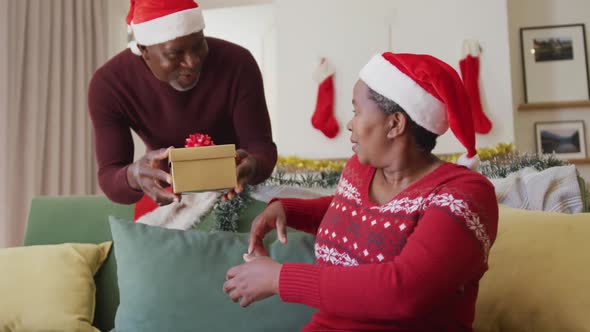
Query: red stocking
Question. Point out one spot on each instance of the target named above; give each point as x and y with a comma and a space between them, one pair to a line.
469, 66
323, 117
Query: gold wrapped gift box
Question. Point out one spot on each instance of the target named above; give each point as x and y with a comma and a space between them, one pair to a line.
203, 168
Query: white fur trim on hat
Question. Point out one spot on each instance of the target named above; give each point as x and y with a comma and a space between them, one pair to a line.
471, 47
425, 109
471, 163
169, 27
132, 45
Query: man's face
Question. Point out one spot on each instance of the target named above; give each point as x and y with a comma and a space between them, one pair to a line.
177, 62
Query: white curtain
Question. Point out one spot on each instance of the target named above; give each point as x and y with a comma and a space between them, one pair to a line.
52, 47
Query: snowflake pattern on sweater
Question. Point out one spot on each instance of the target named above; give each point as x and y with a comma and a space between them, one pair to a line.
347, 190
355, 231
458, 207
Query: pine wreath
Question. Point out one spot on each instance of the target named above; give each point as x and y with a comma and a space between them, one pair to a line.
227, 213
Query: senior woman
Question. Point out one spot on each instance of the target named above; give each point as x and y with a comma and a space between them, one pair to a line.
404, 241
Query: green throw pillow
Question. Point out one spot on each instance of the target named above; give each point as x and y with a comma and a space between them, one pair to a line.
172, 280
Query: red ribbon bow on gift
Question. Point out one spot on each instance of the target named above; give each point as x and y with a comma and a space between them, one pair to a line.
197, 139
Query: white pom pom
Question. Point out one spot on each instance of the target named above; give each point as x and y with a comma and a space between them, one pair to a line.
471, 163
134, 48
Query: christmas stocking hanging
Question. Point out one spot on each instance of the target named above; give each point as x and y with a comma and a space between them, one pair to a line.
469, 66
323, 117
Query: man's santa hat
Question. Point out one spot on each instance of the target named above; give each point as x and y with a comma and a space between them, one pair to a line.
431, 93
156, 21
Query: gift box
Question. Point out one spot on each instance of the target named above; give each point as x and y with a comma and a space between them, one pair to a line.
203, 168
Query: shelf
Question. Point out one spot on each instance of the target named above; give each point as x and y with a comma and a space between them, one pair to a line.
580, 161
554, 105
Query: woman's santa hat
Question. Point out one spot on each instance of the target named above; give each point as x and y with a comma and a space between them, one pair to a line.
431, 93
156, 21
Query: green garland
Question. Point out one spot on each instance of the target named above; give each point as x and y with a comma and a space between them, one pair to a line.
227, 212
501, 166
312, 179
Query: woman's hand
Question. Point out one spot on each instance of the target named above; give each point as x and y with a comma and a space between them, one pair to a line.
273, 217
144, 175
252, 281
245, 172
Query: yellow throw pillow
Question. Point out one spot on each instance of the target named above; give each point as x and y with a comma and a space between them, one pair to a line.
49, 287
539, 274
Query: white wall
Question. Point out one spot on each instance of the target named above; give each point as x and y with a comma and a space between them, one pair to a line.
250, 26
350, 35
253, 27
346, 37
527, 13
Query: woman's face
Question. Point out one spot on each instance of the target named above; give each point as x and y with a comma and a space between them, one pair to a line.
368, 127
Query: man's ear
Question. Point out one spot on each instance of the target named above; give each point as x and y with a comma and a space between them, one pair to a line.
397, 124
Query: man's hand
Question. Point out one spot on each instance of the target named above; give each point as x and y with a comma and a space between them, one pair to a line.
252, 281
246, 170
145, 175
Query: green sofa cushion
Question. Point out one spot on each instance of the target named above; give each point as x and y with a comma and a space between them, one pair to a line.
172, 280
84, 219
81, 219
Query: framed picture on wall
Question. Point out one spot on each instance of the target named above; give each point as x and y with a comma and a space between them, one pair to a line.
554, 63
567, 139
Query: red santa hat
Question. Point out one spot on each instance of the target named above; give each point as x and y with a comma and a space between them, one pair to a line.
156, 21
431, 93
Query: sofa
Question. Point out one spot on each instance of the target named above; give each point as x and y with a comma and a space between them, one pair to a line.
538, 277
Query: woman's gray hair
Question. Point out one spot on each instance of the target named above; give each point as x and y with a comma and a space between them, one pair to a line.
425, 140
385, 104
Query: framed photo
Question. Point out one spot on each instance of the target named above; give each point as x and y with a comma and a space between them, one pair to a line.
567, 139
554, 63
